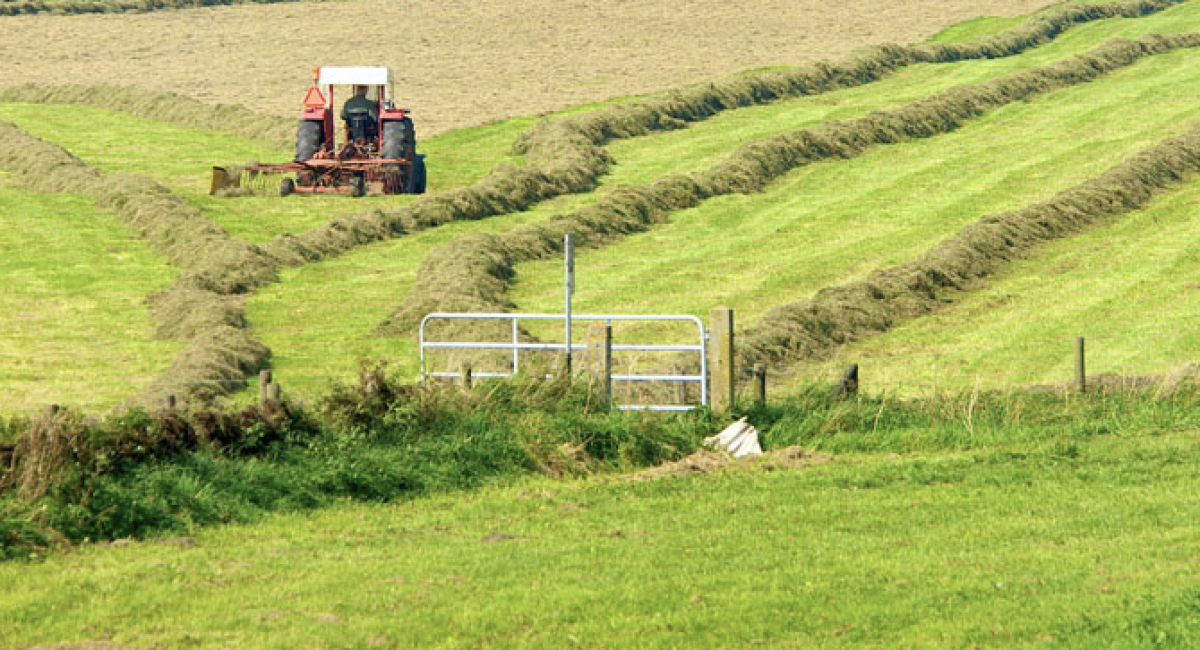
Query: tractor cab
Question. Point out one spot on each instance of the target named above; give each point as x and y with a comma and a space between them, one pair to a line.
363, 143
360, 118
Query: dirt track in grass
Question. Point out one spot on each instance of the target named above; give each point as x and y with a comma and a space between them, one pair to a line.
463, 62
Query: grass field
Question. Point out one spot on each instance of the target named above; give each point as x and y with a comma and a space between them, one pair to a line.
554, 55
75, 272
835, 221
821, 225
942, 506
1071, 541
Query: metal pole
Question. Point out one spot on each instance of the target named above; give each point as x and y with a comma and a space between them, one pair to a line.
569, 288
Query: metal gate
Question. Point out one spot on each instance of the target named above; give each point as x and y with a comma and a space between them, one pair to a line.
516, 346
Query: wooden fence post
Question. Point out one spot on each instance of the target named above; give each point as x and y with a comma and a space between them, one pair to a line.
1080, 365
599, 356
264, 387
849, 383
720, 360
760, 383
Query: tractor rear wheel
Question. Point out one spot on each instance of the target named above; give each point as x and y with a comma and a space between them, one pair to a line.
397, 138
397, 143
309, 137
416, 179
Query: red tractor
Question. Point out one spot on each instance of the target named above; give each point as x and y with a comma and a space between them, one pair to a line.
377, 152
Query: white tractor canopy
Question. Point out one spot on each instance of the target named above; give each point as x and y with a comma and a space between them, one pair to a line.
358, 76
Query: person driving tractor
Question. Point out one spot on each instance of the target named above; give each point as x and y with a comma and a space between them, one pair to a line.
361, 115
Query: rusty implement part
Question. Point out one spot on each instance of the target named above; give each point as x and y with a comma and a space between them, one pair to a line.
222, 179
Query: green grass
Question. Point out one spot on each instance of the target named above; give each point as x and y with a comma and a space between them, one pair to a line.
1133, 303
77, 330
820, 216
317, 337
837, 221
182, 159
825, 224
1080, 542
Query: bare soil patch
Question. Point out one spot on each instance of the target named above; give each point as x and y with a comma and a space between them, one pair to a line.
706, 462
463, 62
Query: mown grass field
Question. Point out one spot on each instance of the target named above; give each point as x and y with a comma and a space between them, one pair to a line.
76, 325
835, 221
821, 225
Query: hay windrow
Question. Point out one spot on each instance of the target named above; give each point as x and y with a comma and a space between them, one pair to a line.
167, 107
697, 103
453, 277
566, 154
839, 315
202, 307
76, 7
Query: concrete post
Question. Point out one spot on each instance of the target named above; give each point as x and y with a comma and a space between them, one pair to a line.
721, 359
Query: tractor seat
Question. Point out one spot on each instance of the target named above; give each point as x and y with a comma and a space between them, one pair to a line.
361, 128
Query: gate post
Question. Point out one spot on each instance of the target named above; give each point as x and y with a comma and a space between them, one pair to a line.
599, 356
720, 360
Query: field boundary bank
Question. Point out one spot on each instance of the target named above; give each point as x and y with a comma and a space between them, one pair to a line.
200, 308
30, 7
847, 313
473, 272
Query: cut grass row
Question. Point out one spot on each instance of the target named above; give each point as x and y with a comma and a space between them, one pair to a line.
1133, 303
74, 7
1073, 538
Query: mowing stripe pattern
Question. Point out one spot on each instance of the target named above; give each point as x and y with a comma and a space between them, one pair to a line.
473, 272
838, 315
201, 308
